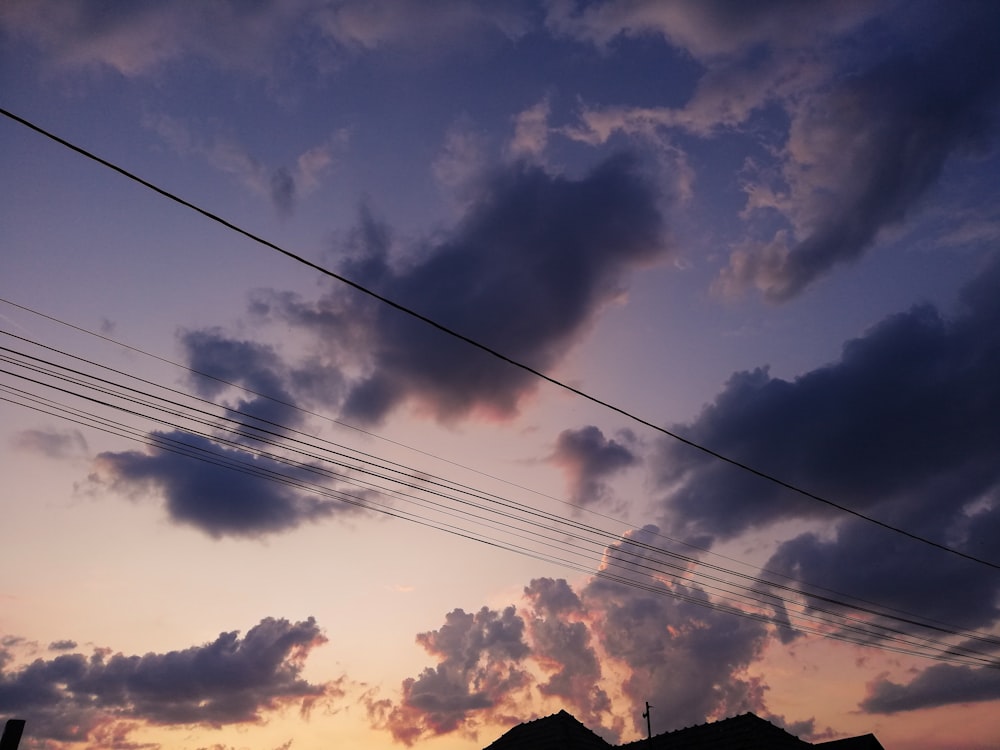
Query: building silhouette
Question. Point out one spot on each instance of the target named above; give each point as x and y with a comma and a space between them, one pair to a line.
562, 731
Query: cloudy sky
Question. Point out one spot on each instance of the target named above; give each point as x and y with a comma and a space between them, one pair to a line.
315, 491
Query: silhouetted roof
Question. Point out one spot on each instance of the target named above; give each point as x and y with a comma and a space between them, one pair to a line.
743, 732
861, 742
556, 732
562, 731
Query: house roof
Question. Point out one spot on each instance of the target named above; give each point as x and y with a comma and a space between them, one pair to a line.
743, 732
861, 742
747, 731
559, 731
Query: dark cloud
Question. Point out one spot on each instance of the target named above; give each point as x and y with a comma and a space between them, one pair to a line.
217, 500
51, 443
524, 272
64, 645
255, 367
948, 589
75, 698
863, 152
901, 424
588, 458
901, 428
940, 685
478, 670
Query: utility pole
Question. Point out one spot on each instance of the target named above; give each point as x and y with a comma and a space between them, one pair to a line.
649, 726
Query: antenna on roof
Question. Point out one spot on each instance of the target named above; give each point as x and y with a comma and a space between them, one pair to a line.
649, 728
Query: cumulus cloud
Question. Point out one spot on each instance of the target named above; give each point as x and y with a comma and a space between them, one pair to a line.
221, 482
903, 413
477, 673
865, 150
563, 647
527, 269
217, 490
585, 648
587, 458
232, 680
529, 266
677, 651
940, 685
900, 427
868, 137
948, 590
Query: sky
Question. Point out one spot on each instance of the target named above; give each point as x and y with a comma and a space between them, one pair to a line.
553, 355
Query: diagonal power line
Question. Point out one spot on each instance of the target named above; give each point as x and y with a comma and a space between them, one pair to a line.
486, 348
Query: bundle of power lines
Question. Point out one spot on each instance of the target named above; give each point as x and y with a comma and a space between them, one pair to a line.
58, 383
61, 384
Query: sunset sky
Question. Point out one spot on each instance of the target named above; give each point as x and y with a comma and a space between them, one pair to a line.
247, 505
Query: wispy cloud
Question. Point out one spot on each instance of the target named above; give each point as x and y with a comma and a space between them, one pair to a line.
283, 185
531, 132
139, 39
51, 443
373, 24
144, 38
709, 30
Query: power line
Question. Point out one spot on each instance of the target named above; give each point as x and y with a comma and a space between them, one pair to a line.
517, 521
926, 622
277, 432
488, 349
874, 635
809, 589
